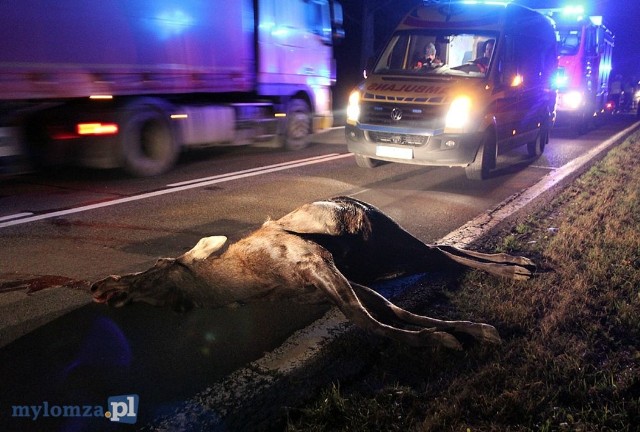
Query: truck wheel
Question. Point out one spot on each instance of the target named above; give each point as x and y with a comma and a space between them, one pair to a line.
149, 146
485, 160
366, 162
298, 125
536, 148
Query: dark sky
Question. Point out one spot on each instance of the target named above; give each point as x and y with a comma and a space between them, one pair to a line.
623, 18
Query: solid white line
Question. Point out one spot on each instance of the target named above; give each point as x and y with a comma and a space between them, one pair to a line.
230, 177
15, 216
250, 170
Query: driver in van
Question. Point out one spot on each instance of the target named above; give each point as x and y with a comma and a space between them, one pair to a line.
429, 59
483, 62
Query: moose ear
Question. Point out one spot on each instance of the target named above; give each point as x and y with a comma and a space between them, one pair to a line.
205, 247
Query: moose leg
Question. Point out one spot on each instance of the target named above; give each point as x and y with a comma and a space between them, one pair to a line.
384, 309
327, 278
500, 264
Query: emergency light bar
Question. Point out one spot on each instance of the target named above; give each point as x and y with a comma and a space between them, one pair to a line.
468, 2
573, 10
488, 2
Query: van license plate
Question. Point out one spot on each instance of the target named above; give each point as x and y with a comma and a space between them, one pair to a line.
394, 152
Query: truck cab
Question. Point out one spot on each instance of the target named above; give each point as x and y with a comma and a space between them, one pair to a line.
486, 90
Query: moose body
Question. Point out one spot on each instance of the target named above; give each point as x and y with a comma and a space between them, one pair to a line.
322, 251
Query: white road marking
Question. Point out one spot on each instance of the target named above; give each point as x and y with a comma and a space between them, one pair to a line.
250, 170
15, 216
178, 187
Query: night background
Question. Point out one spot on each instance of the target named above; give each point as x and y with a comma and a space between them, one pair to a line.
368, 23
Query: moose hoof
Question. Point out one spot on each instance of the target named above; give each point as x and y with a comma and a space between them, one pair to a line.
488, 333
445, 339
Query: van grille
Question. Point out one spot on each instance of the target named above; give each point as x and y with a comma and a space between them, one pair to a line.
401, 139
411, 116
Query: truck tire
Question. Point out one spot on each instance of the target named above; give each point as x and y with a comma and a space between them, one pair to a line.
297, 130
149, 146
366, 162
485, 161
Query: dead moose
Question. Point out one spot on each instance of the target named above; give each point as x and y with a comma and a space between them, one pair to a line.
326, 250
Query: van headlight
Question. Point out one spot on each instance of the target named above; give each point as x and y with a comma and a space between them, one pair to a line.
353, 108
459, 115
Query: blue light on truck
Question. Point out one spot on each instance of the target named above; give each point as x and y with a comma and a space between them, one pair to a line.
560, 79
488, 2
573, 10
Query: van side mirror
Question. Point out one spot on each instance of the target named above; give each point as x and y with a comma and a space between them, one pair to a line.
508, 75
368, 67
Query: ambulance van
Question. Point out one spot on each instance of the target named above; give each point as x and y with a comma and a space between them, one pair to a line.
486, 89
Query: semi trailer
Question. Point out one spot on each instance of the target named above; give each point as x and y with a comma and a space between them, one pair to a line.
132, 83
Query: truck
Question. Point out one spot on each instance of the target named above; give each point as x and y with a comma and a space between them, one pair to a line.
131, 83
584, 65
485, 88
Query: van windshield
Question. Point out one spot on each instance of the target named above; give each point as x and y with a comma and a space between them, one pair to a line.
413, 53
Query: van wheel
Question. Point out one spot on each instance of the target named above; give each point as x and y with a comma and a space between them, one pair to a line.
536, 148
298, 125
485, 160
149, 146
366, 162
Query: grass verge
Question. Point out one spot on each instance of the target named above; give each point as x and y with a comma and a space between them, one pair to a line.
570, 356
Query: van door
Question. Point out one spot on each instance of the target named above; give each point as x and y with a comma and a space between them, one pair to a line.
507, 107
531, 52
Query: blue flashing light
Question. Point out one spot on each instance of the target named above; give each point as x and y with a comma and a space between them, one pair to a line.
560, 80
488, 2
573, 12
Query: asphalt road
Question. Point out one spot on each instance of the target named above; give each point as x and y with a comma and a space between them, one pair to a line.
60, 231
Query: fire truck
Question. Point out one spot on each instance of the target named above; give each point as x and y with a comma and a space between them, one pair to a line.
585, 46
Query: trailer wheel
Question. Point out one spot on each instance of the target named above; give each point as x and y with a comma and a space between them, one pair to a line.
485, 160
297, 132
149, 146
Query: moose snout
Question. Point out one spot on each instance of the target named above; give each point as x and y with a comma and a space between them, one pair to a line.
109, 290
